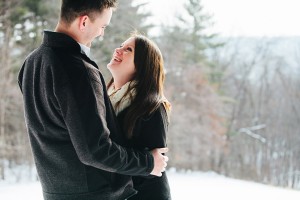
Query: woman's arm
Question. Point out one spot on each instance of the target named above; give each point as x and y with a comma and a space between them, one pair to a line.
151, 131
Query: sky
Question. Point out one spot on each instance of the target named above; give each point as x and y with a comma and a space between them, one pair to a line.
196, 185
240, 17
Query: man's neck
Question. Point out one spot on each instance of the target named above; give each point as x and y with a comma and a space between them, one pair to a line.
71, 31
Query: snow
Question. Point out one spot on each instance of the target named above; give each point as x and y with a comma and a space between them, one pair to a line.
195, 185
215, 187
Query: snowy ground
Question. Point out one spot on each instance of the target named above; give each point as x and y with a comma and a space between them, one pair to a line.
193, 185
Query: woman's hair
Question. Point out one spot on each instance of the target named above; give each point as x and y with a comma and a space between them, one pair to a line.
71, 9
147, 82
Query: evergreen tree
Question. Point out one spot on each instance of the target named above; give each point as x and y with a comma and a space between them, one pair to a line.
196, 128
195, 24
21, 23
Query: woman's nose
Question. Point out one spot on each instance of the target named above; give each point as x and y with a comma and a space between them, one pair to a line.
118, 50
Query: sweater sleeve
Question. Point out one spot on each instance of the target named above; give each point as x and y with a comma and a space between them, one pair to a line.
152, 130
80, 96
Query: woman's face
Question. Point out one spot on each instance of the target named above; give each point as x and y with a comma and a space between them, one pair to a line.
121, 65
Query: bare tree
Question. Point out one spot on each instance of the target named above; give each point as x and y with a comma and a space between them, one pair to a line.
5, 75
264, 117
21, 24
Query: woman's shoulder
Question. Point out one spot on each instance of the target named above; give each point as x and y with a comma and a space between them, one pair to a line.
159, 114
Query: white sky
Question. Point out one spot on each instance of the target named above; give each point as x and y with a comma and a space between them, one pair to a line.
240, 17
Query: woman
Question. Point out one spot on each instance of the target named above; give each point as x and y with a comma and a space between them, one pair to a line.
136, 93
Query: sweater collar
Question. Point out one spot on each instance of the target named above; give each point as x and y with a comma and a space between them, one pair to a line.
85, 50
119, 98
56, 39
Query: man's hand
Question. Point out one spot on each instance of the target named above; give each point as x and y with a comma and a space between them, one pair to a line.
160, 161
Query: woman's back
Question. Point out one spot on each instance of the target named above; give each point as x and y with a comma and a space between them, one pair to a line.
149, 132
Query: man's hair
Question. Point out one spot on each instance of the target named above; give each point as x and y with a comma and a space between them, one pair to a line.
71, 9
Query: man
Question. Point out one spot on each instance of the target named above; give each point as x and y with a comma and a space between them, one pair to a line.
69, 117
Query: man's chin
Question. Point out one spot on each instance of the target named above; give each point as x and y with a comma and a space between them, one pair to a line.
100, 38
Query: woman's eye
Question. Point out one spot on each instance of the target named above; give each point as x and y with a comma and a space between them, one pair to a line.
129, 49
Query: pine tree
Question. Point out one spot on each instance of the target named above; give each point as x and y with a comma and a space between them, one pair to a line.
196, 128
21, 23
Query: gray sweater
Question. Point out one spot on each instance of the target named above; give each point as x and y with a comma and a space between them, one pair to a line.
72, 126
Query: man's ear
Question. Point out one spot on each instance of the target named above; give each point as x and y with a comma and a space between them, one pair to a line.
82, 22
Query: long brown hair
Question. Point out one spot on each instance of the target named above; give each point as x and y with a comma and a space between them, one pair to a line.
148, 82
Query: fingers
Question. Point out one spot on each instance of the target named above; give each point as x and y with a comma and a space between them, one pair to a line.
156, 173
159, 174
166, 158
160, 161
163, 150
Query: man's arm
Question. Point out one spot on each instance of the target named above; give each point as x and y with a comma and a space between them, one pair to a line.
81, 102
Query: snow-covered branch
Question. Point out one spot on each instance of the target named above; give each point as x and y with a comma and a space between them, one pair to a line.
249, 132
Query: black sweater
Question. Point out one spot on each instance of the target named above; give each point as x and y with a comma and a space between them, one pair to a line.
71, 122
149, 133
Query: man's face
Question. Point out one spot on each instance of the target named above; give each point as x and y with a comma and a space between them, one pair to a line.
96, 28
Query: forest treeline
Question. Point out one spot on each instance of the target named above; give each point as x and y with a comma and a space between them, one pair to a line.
235, 108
